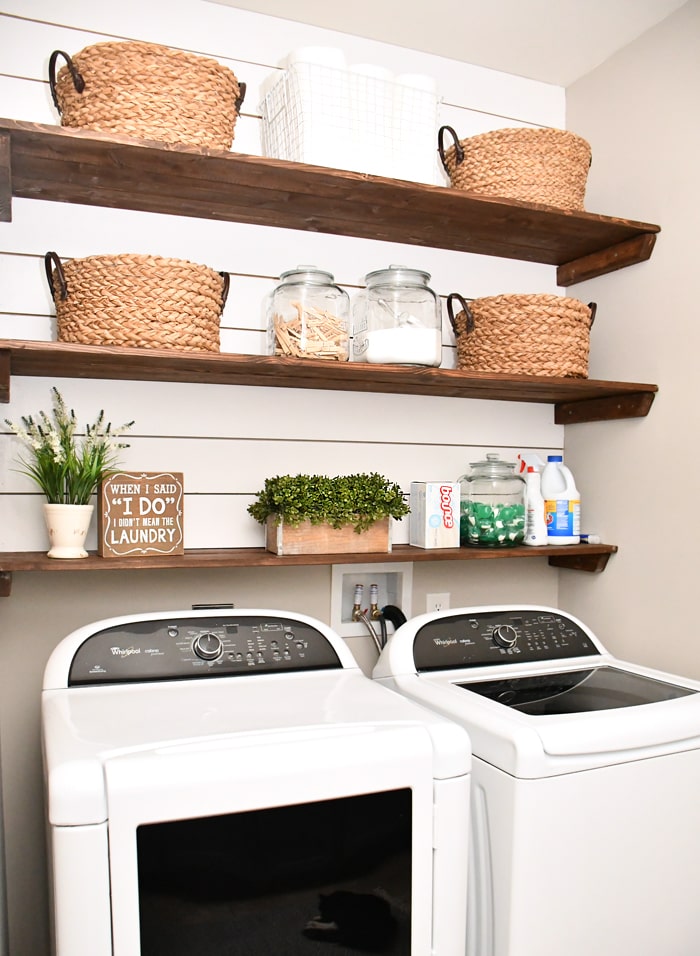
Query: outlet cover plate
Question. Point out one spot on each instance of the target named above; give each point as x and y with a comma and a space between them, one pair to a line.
437, 602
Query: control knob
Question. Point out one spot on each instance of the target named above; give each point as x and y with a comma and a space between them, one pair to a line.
207, 646
505, 635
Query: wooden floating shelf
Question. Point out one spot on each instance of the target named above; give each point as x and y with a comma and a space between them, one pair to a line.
574, 400
577, 557
77, 166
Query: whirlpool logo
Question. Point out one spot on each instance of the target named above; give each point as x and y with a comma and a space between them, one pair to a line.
124, 651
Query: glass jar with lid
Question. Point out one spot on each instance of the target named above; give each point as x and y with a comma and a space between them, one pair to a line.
397, 319
492, 505
308, 316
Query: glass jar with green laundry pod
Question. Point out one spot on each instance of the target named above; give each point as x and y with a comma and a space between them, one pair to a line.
492, 505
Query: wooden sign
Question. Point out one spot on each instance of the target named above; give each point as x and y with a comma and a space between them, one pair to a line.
140, 514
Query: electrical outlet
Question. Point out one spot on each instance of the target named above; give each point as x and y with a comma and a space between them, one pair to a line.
437, 602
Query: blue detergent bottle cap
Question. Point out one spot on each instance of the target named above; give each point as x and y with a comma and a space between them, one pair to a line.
555, 458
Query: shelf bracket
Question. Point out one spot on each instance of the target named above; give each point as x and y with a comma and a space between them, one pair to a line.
5, 370
580, 562
5, 179
627, 253
5, 583
612, 408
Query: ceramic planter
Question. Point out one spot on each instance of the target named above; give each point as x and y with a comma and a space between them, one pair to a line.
67, 526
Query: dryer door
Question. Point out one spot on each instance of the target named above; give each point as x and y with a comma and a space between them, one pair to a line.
278, 840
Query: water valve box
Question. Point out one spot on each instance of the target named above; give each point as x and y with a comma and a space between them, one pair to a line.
434, 519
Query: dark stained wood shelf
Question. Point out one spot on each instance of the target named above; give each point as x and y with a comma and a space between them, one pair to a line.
574, 400
76, 166
60, 165
578, 557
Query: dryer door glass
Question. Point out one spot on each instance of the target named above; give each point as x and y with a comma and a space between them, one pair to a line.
575, 692
280, 881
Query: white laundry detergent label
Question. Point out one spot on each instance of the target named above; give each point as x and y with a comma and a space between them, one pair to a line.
563, 517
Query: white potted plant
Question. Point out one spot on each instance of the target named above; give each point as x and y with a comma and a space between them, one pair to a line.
68, 468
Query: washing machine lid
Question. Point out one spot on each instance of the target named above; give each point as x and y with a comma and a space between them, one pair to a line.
577, 692
552, 702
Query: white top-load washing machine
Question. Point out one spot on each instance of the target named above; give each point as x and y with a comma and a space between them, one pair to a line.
585, 782
225, 781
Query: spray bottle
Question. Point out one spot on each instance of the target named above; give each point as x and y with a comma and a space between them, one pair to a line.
562, 503
535, 524
527, 461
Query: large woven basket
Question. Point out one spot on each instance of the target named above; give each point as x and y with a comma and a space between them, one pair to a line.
548, 166
137, 301
147, 91
523, 334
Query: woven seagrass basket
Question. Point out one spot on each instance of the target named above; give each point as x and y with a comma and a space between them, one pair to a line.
137, 302
523, 334
149, 92
548, 166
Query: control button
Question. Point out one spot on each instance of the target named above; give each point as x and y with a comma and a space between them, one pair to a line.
173, 631
207, 646
504, 635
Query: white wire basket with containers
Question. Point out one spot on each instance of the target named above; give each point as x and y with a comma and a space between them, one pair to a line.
360, 117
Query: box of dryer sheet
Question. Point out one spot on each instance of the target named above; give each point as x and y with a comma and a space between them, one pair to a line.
434, 519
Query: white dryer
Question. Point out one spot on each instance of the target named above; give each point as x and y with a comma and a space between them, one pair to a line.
585, 780
224, 781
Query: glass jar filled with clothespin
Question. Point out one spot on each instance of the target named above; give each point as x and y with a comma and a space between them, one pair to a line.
308, 316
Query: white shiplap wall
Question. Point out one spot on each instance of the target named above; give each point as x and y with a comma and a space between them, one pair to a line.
226, 440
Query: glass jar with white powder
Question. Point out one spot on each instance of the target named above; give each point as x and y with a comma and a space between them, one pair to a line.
397, 319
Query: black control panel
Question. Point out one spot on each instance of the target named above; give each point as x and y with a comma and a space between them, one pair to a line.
200, 647
498, 637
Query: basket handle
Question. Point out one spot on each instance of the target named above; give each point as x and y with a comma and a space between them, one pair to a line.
52, 258
459, 152
78, 81
242, 87
226, 276
593, 306
450, 312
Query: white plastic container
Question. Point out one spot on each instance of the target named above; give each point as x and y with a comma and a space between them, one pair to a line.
535, 523
562, 503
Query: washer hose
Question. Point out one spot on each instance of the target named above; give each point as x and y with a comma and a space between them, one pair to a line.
394, 615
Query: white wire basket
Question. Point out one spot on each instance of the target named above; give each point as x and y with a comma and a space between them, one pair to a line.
350, 119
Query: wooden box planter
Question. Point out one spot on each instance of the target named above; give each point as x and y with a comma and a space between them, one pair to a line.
307, 538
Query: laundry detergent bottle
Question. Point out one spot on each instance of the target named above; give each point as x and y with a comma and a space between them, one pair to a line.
562, 502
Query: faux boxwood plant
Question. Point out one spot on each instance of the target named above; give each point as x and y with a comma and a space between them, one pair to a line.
357, 500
